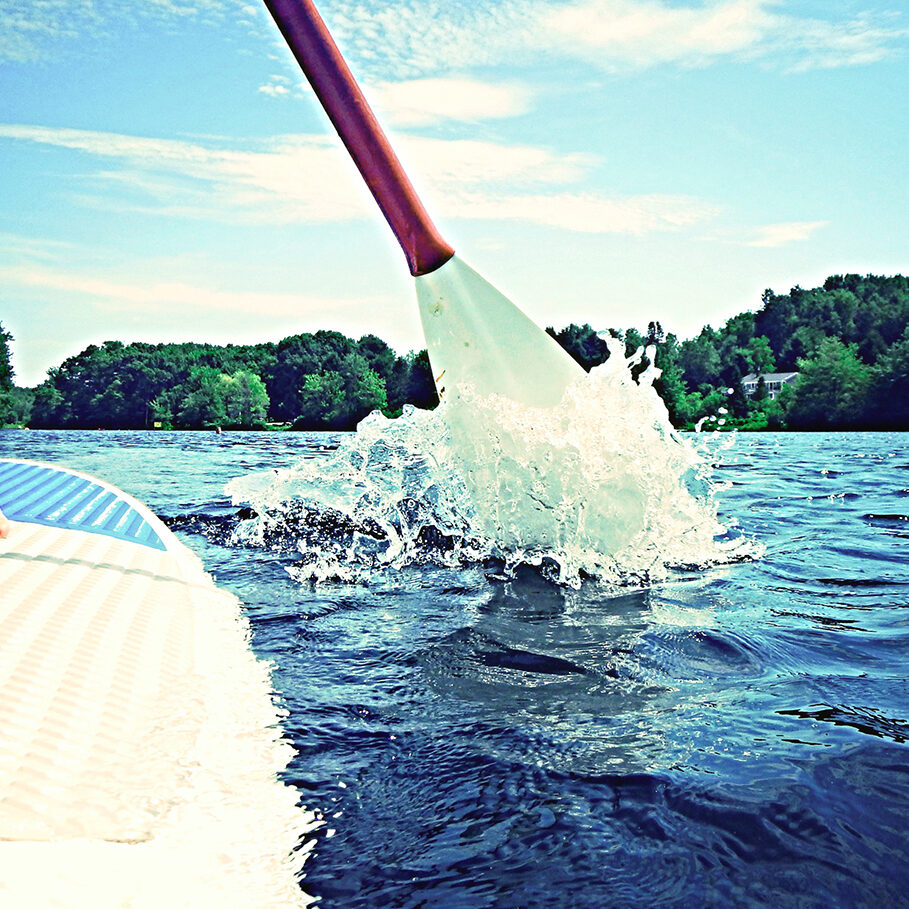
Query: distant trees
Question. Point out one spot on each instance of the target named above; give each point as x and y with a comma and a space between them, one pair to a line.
323, 380
832, 389
110, 386
888, 394
846, 339
758, 356
869, 311
6, 378
209, 398
583, 343
337, 399
245, 399
849, 341
700, 361
421, 388
6, 369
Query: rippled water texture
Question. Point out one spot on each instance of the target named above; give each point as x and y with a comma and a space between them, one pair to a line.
731, 735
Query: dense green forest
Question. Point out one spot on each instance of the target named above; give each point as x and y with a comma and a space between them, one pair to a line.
847, 340
312, 381
7, 412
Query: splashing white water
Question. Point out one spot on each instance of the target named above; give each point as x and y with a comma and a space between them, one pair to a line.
600, 485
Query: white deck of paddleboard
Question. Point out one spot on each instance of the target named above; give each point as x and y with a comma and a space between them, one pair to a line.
139, 744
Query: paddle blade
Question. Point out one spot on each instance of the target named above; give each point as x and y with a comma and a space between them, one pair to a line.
477, 336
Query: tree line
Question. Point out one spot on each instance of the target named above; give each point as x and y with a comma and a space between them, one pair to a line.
323, 380
848, 341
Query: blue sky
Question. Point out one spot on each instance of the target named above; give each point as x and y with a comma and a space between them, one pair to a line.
167, 175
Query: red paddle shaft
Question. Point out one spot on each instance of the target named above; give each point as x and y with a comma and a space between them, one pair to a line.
334, 85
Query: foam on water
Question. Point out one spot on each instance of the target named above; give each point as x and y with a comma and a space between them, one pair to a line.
600, 485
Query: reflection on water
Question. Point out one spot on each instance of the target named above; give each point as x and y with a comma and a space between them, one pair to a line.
473, 737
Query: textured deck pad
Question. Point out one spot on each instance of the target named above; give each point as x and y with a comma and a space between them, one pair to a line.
41, 494
96, 653
133, 716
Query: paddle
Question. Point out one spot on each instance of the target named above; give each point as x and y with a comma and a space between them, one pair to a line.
474, 335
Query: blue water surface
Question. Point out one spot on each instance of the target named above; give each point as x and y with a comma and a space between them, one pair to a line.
733, 737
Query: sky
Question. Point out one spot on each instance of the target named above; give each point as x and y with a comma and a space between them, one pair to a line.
167, 175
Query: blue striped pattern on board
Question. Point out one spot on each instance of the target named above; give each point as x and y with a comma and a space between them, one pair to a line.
52, 496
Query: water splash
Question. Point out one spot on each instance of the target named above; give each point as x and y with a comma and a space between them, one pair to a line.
600, 486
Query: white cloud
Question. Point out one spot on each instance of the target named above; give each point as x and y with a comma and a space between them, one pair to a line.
412, 38
404, 39
586, 212
619, 32
33, 29
115, 293
407, 39
428, 101
291, 178
817, 44
33, 249
276, 91
485, 181
420, 102
451, 164
775, 235
306, 179
277, 86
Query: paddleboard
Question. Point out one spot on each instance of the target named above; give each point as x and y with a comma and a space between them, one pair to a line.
140, 747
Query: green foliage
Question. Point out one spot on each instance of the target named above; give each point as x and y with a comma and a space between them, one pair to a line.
867, 316
321, 400
889, 391
700, 361
421, 389
210, 399
671, 384
10, 403
366, 393
6, 369
832, 387
136, 386
869, 311
48, 406
7, 408
861, 381
202, 399
849, 339
340, 399
245, 399
583, 343
19, 406
758, 356
702, 377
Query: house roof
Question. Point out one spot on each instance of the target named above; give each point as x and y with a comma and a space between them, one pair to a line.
770, 376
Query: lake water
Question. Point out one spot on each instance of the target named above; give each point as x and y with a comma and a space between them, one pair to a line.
731, 736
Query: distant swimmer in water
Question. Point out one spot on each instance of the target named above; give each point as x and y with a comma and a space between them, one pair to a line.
4, 525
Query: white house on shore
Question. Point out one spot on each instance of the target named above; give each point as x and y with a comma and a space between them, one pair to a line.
773, 381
